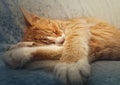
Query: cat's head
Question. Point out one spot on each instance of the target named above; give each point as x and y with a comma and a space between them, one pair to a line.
42, 30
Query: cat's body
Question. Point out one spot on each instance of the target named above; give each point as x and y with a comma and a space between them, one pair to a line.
86, 40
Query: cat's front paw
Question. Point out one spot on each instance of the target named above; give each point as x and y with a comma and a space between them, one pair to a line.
17, 58
75, 73
22, 44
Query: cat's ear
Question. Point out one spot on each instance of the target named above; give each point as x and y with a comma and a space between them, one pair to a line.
30, 18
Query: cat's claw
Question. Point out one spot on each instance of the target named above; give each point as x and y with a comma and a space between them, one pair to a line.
16, 58
75, 73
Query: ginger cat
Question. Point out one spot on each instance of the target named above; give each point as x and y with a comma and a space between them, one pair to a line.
87, 39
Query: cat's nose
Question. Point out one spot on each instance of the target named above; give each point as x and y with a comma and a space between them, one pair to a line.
60, 40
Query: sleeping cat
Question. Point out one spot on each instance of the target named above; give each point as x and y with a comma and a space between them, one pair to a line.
87, 39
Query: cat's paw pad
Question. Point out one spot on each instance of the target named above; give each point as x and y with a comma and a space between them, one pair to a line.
16, 58
72, 73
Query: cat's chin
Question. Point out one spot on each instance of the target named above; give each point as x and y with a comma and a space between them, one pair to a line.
75, 73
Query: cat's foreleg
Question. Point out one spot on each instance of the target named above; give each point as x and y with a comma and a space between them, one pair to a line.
18, 57
23, 44
74, 67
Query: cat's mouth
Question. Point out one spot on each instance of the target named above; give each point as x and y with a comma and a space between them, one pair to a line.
57, 40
